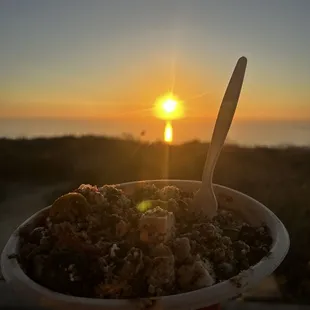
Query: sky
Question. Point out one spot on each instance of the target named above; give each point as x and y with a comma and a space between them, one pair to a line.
113, 58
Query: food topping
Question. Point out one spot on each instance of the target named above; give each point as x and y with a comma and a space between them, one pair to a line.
99, 242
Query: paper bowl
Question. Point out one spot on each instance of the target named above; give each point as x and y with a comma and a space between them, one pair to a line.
251, 210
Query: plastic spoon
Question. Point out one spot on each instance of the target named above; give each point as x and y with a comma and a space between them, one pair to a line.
205, 202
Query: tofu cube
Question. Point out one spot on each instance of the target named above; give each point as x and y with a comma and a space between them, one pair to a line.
156, 226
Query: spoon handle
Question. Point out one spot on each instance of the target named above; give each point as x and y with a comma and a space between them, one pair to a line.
224, 118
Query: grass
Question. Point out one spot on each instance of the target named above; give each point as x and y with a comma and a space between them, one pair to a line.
278, 177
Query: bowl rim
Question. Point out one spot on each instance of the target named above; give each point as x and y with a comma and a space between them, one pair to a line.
14, 274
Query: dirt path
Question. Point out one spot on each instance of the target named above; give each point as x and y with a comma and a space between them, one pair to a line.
268, 289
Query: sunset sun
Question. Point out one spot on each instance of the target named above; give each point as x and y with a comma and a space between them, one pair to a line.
168, 107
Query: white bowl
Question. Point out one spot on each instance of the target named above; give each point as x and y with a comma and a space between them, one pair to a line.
251, 210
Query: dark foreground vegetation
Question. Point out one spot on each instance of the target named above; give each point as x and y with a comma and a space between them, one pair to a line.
279, 178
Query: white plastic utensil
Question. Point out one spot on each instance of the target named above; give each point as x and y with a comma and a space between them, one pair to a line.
205, 201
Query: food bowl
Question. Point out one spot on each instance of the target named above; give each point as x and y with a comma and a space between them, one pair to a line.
251, 210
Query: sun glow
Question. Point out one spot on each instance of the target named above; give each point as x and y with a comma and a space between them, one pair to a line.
168, 107
168, 134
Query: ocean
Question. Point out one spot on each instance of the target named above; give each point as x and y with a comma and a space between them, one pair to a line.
247, 133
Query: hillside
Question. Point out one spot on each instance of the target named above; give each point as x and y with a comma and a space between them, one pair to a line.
278, 177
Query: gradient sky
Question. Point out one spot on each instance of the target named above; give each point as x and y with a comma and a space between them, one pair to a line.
100, 58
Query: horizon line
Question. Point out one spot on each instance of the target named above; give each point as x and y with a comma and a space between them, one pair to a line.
207, 118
